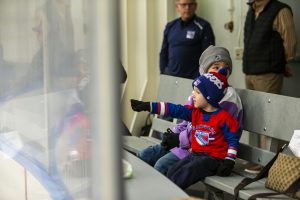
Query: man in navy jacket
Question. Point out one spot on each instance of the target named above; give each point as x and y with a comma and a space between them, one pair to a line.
184, 41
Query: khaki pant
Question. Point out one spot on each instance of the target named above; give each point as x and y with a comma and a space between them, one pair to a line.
271, 83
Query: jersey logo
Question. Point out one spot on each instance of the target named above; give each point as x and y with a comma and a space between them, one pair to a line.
190, 34
202, 137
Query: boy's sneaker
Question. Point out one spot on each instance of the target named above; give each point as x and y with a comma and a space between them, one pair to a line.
254, 169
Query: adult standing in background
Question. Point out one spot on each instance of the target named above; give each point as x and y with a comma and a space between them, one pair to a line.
184, 41
269, 44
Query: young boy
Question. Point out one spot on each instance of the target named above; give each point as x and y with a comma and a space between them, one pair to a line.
214, 131
212, 59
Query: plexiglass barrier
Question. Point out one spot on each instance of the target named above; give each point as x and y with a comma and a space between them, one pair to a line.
45, 85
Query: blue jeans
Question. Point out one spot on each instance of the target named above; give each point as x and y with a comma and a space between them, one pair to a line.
152, 153
158, 157
164, 163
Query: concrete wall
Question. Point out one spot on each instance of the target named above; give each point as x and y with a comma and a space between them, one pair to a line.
142, 24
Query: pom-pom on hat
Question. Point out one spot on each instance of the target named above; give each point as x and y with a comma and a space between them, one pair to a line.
212, 86
214, 54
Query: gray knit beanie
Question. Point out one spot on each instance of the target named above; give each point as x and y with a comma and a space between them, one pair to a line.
214, 54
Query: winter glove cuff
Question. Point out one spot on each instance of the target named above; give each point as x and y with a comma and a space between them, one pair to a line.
170, 139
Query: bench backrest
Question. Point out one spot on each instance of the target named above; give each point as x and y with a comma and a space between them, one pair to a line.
171, 89
275, 116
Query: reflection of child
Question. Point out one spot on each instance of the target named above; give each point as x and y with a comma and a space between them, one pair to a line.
215, 137
211, 60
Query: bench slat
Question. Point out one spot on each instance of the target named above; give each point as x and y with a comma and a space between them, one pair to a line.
227, 184
268, 114
161, 125
254, 154
174, 89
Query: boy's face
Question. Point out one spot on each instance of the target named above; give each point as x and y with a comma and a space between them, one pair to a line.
198, 99
216, 66
186, 8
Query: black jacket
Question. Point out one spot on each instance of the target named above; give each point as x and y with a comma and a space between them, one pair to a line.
263, 47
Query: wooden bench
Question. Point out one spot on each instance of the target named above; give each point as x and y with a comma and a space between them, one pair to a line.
274, 116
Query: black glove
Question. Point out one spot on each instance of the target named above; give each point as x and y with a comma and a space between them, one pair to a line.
225, 168
170, 139
139, 106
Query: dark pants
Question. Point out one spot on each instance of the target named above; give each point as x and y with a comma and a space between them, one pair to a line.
192, 169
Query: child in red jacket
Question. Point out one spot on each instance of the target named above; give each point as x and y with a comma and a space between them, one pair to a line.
214, 131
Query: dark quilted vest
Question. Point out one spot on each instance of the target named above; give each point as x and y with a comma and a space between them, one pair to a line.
263, 47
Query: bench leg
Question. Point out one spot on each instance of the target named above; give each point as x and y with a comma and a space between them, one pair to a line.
213, 193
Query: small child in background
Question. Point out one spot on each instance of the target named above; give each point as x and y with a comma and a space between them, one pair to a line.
215, 137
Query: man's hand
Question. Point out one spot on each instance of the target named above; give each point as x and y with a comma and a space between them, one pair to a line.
225, 168
288, 72
170, 139
139, 106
